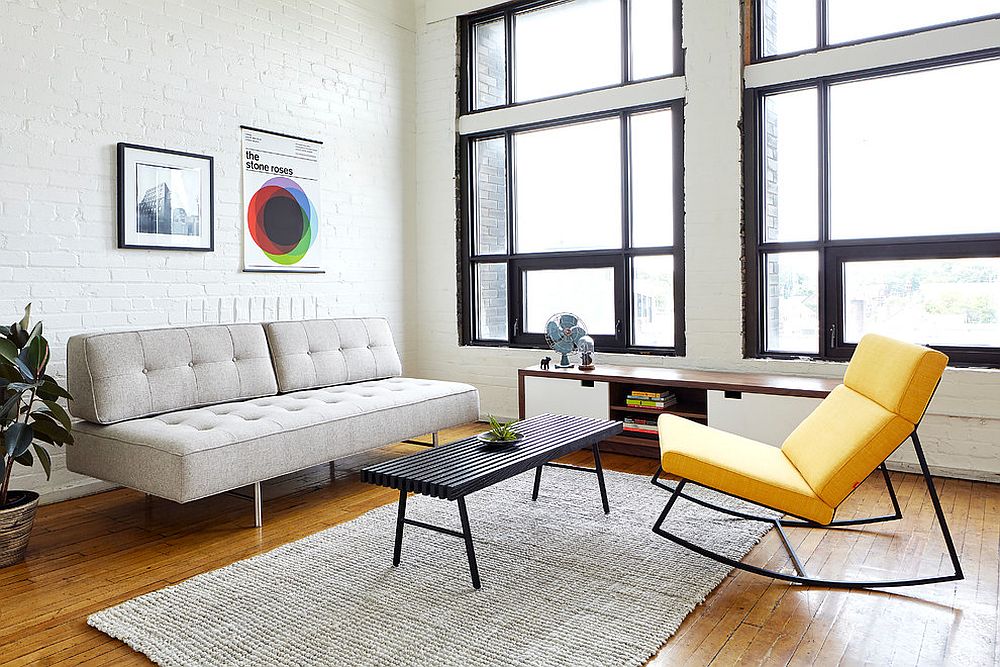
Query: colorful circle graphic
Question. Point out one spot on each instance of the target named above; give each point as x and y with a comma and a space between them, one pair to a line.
282, 221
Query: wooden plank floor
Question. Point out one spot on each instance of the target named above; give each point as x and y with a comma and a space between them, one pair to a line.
91, 553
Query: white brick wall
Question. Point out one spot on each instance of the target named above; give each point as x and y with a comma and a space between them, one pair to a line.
962, 430
81, 75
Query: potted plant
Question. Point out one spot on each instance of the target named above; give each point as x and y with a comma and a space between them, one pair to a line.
501, 433
29, 416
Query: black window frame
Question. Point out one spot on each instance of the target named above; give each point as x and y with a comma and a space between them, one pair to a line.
466, 94
823, 37
618, 258
834, 253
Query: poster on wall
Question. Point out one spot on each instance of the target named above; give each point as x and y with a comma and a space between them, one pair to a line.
281, 198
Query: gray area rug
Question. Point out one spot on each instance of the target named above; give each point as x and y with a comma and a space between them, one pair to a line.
563, 584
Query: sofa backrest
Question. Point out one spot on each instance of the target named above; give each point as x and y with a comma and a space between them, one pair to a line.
320, 353
129, 374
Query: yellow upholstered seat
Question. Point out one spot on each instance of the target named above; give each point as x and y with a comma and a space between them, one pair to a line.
885, 392
738, 466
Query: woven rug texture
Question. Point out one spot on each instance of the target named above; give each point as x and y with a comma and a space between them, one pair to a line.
563, 584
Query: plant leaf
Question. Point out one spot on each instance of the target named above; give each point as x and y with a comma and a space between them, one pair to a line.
9, 372
17, 438
25, 459
35, 357
8, 350
44, 459
45, 425
45, 438
22, 368
36, 332
51, 391
26, 320
18, 335
59, 413
9, 406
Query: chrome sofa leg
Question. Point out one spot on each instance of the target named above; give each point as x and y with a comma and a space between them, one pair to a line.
257, 506
434, 439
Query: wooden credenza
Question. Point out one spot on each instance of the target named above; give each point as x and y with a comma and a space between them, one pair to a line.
761, 406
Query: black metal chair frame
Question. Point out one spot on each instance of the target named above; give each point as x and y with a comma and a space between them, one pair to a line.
802, 577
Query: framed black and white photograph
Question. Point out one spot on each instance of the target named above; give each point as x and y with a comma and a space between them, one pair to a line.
165, 199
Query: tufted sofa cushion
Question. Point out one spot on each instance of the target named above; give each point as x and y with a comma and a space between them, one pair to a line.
322, 353
131, 374
199, 452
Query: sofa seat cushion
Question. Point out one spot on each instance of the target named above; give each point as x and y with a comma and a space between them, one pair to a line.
199, 452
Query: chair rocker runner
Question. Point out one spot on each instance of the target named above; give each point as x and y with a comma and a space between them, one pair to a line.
886, 389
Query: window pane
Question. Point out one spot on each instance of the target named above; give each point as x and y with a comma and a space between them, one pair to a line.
589, 293
568, 191
788, 26
791, 302
652, 38
653, 301
490, 79
652, 179
915, 154
930, 301
851, 20
566, 48
490, 196
791, 163
491, 307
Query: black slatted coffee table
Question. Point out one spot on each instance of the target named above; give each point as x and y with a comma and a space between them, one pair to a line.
453, 471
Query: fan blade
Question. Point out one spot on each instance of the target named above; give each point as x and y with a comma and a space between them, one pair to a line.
553, 331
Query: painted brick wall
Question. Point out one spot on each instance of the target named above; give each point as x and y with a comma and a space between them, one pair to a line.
81, 75
962, 430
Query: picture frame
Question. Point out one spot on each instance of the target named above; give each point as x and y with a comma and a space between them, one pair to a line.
166, 199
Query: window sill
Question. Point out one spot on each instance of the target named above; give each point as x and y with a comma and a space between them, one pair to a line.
634, 351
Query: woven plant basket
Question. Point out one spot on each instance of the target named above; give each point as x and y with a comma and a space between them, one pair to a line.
15, 526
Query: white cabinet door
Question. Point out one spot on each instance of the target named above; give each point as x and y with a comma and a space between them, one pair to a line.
758, 416
565, 397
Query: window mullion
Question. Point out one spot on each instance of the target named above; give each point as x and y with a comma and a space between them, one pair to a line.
828, 298
623, 301
513, 309
625, 314
822, 24
508, 22
626, 41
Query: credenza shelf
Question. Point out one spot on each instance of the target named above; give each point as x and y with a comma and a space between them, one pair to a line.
691, 413
691, 387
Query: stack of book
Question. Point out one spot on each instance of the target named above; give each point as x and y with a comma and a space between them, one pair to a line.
637, 425
650, 399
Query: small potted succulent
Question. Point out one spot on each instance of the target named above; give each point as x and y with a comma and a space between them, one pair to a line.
29, 416
501, 433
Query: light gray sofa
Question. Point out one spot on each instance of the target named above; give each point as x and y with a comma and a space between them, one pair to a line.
185, 413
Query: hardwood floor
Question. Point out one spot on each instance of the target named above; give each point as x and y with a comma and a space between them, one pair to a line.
94, 552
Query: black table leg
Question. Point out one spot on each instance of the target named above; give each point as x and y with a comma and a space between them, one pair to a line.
600, 478
469, 548
400, 518
538, 482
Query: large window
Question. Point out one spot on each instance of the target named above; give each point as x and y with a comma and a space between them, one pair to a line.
874, 206
540, 50
794, 26
578, 212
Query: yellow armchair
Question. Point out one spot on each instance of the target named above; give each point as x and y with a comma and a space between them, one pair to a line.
886, 389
